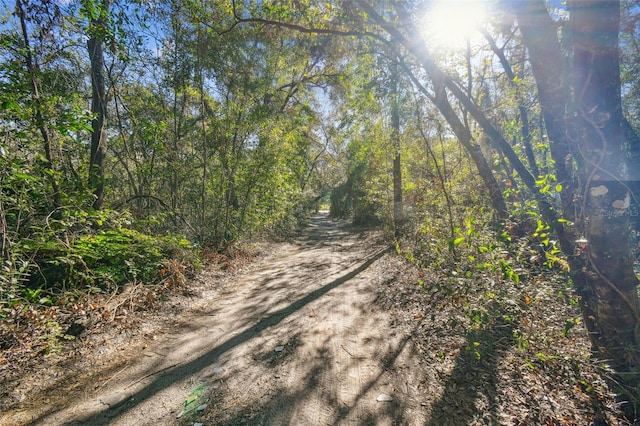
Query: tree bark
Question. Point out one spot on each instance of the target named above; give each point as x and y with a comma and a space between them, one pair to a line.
549, 69
607, 279
587, 134
98, 149
398, 210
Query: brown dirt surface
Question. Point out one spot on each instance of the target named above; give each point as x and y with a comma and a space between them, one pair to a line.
314, 332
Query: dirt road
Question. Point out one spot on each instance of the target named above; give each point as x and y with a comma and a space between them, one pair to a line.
316, 332
296, 340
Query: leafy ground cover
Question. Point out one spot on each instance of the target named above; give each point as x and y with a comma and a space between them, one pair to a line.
517, 353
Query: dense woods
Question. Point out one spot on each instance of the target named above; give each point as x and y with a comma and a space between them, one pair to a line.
139, 140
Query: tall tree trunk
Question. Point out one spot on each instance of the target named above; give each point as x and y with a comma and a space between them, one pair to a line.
398, 210
98, 151
606, 278
40, 122
597, 199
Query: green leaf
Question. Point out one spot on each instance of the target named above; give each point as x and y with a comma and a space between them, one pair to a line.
23, 176
10, 106
568, 325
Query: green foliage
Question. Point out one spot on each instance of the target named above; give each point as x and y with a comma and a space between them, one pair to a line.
362, 197
219, 148
226, 136
105, 259
91, 251
110, 257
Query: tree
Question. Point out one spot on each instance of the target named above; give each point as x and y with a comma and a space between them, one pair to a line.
589, 149
98, 15
39, 117
398, 209
588, 144
587, 133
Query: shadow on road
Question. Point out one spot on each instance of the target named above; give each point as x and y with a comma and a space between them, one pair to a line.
276, 409
178, 373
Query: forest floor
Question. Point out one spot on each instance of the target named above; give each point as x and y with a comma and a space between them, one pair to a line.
329, 328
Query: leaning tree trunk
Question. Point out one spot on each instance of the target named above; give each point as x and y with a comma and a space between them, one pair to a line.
442, 102
587, 133
39, 119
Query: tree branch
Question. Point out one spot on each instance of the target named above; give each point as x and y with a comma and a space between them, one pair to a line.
299, 28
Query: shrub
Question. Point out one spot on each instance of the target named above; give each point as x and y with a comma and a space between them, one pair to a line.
97, 252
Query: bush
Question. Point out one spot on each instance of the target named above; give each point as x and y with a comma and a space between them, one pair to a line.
107, 258
96, 251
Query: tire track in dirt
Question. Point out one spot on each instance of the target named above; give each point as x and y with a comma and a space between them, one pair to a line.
316, 300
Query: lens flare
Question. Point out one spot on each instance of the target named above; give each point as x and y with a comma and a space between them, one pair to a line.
448, 24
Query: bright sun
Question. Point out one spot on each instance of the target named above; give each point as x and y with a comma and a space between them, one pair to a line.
447, 24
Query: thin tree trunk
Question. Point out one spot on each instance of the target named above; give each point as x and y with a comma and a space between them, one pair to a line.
98, 108
205, 154
441, 100
398, 210
442, 177
32, 68
131, 178
475, 152
524, 115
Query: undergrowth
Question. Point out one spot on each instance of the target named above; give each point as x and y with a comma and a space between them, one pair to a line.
491, 273
507, 291
70, 269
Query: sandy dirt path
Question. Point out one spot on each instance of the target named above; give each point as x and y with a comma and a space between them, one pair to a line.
297, 340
